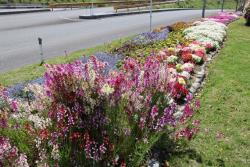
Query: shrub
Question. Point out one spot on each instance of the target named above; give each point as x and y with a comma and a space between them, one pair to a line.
179, 26
108, 119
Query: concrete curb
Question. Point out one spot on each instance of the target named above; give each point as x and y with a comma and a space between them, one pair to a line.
104, 15
24, 11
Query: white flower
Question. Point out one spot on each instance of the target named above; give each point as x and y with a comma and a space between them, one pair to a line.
172, 59
92, 75
185, 74
55, 152
187, 66
196, 58
207, 32
39, 122
107, 89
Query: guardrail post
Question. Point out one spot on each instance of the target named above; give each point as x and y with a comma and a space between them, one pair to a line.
237, 3
222, 5
151, 6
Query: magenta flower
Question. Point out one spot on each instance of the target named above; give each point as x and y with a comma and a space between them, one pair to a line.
154, 112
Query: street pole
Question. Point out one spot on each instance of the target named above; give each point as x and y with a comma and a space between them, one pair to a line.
222, 6
237, 3
204, 8
91, 8
40, 42
151, 6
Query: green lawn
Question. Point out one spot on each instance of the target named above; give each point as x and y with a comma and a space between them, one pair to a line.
225, 109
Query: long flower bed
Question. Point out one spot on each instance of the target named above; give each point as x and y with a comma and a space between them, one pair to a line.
85, 116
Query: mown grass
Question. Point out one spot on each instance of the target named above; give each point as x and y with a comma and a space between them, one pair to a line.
33, 71
225, 111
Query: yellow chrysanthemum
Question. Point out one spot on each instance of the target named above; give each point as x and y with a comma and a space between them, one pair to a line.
182, 81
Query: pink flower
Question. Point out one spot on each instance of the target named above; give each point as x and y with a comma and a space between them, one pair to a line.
197, 104
154, 112
219, 135
14, 106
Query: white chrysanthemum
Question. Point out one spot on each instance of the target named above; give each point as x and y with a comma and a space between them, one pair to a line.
187, 66
207, 32
172, 59
196, 58
185, 74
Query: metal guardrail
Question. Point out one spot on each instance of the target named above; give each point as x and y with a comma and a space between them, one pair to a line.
138, 5
22, 5
113, 3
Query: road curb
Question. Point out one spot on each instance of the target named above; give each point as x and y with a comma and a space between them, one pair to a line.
24, 11
105, 15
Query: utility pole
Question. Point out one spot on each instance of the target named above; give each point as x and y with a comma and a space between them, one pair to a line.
151, 8
204, 8
243, 5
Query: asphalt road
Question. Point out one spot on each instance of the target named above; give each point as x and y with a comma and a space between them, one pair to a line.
62, 31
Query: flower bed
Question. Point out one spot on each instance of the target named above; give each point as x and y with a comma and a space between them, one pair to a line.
86, 115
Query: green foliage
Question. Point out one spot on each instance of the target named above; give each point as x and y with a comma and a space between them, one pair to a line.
22, 140
179, 26
141, 52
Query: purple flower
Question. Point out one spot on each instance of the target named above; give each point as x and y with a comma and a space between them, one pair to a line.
197, 104
3, 123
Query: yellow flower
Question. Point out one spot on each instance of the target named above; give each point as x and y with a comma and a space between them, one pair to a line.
181, 81
171, 49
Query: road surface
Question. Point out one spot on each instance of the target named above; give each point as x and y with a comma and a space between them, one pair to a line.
62, 31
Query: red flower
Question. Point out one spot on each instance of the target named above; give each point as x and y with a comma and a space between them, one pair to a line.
200, 53
171, 66
44, 134
179, 91
28, 127
186, 57
75, 136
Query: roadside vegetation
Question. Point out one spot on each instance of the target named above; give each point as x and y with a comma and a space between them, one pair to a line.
85, 115
225, 102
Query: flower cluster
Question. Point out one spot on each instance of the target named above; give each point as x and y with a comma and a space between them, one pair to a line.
9, 155
207, 32
150, 37
92, 112
223, 17
178, 26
